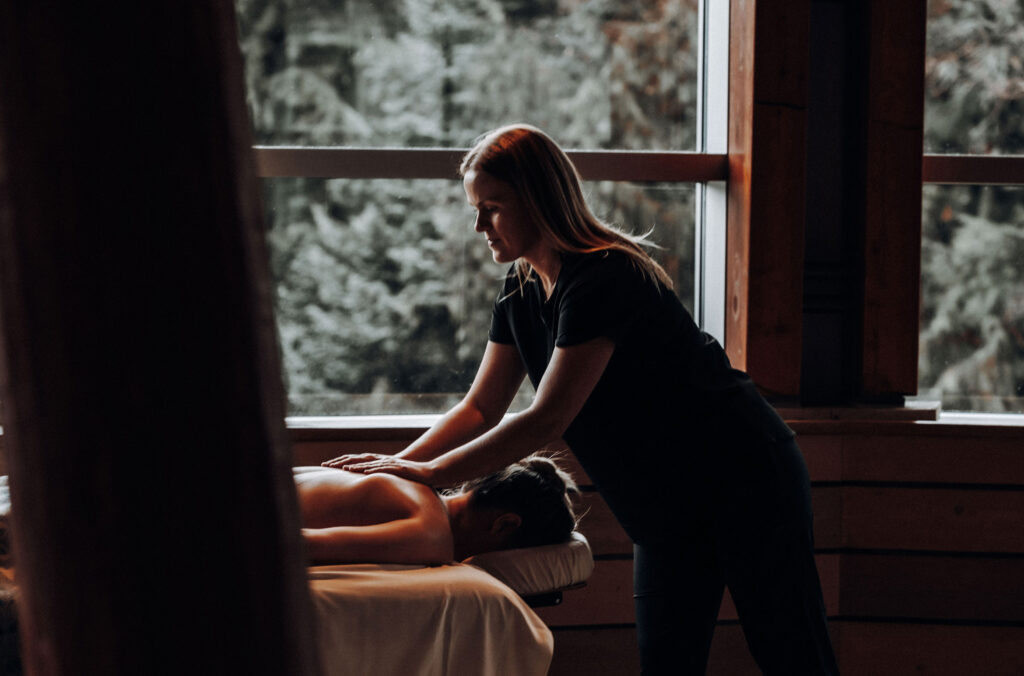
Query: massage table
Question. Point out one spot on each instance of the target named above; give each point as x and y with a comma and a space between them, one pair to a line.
472, 618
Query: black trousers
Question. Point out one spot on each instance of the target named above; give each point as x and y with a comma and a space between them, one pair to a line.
755, 538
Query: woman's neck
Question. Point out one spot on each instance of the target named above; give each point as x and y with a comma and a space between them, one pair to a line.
547, 264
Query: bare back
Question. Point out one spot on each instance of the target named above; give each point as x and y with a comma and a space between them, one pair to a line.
330, 497
349, 517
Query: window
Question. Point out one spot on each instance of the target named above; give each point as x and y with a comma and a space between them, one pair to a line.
361, 110
972, 320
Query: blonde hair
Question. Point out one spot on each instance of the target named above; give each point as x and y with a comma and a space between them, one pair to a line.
547, 182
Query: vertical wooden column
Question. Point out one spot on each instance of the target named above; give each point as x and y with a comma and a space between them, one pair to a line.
893, 51
156, 527
767, 174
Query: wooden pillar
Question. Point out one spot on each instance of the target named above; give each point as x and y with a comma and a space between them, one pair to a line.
767, 175
156, 526
893, 51
863, 229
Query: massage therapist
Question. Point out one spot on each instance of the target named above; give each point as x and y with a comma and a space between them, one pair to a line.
700, 471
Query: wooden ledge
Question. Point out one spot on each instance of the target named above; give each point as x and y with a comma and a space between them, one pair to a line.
912, 411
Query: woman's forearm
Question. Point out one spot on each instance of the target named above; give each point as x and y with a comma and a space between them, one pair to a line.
571, 376
516, 437
458, 426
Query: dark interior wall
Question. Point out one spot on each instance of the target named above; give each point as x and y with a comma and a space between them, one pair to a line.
156, 527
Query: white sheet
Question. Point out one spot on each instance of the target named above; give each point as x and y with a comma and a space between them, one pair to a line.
539, 570
453, 620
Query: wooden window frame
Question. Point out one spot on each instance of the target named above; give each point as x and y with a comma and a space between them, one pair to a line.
708, 168
973, 169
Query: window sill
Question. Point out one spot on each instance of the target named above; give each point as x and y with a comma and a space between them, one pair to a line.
913, 420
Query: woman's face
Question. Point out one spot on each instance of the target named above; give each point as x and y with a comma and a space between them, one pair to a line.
500, 216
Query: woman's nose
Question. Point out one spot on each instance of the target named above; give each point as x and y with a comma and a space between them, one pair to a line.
480, 224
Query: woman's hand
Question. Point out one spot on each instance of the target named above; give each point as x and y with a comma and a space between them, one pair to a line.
343, 461
422, 472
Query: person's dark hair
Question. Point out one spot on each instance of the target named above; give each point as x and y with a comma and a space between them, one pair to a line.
536, 489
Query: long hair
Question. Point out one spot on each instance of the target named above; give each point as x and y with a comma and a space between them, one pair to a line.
536, 489
548, 184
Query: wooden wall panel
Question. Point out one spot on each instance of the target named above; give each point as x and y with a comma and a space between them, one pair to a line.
612, 651
600, 651
823, 455
315, 452
608, 597
932, 587
936, 650
955, 456
935, 519
606, 600
601, 528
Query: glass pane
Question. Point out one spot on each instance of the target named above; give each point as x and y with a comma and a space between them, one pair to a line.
384, 290
974, 91
972, 282
419, 73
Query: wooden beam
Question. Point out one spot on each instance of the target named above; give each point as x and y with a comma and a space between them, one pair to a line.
973, 169
894, 50
155, 520
767, 174
593, 165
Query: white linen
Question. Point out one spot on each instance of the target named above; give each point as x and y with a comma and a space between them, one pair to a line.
540, 570
397, 620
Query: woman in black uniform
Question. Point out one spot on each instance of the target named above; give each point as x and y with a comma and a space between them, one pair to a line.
700, 471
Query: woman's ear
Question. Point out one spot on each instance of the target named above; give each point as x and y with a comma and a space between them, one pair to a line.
506, 524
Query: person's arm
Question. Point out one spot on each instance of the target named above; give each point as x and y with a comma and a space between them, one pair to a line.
571, 376
497, 380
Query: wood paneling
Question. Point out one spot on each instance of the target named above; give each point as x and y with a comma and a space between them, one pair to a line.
608, 596
605, 651
862, 647
933, 519
921, 554
937, 650
935, 453
612, 651
931, 587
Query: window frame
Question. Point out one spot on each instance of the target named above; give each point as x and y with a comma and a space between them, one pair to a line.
973, 169
708, 168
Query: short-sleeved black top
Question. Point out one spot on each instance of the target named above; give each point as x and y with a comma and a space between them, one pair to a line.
668, 403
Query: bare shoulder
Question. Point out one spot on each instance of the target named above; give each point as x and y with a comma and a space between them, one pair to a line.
420, 498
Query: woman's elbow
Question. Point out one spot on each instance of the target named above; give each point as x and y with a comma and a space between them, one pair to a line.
483, 417
545, 423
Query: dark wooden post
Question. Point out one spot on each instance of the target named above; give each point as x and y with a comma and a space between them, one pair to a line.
156, 528
767, 176
894, 50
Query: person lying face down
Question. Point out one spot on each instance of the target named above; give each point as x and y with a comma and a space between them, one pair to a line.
380, 518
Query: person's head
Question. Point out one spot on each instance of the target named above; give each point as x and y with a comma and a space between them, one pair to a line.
550, 195
527, 504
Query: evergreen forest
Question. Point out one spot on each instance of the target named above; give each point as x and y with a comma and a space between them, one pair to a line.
384, 291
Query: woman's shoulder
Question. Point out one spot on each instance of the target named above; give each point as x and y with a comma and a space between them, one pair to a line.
609, 265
